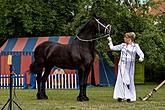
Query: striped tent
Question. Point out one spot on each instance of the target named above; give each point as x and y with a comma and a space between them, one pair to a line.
22, 50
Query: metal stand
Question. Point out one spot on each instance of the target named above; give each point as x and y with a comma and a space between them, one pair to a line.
10, 100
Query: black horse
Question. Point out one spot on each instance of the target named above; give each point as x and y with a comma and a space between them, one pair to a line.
78, 55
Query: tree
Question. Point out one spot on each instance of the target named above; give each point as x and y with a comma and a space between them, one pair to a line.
36, 17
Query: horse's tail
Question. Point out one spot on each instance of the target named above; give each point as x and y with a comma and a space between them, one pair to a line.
34, 68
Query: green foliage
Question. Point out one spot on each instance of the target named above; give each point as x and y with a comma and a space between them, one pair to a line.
152, 41
161, 22
36, 17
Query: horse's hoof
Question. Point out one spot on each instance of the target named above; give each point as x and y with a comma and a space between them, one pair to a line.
79, 99
86, 98
41, 96
45, 97
82, 98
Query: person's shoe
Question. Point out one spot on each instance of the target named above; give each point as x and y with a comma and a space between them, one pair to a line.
119, 99
128, 86
128, 100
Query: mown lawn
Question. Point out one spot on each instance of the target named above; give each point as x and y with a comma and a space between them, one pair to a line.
100, 99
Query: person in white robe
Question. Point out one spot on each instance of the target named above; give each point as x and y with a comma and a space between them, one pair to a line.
125, 87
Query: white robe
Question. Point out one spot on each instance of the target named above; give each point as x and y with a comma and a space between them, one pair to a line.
126, 70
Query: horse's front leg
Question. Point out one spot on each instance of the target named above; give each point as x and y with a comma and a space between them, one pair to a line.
87, 71
81, 71
83, 76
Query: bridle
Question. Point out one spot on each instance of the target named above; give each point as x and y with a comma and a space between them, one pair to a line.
107, 28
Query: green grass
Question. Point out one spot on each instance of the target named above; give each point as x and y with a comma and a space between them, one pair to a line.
100, 99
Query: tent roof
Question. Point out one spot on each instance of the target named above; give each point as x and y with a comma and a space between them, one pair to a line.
27, 45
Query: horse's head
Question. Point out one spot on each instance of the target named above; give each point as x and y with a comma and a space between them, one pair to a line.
95, 25
101, 25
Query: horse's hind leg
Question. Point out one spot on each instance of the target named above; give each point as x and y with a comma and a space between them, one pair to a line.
37, 68
39, 80
44, 79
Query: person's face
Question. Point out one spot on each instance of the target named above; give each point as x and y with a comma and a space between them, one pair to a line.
127, 39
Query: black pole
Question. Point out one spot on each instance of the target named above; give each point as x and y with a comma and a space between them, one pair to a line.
11, 84
10, 97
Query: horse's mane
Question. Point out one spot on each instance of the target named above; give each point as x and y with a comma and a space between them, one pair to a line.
85, 26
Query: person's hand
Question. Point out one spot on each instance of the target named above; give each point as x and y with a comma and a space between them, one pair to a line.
141, 59
109, 39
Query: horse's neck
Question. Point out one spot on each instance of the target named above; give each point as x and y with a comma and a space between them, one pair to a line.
86, 45
87, 33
